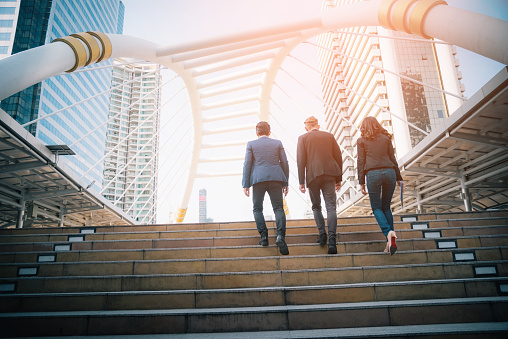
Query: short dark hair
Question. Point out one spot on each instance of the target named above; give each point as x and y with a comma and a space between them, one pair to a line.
263, 128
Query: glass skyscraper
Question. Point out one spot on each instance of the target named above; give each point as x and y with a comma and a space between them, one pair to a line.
83, 126
353, 89
8, 21
130, 169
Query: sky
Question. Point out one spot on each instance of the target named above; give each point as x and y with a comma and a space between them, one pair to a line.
168, 22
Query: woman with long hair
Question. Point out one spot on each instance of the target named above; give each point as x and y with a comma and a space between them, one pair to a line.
377, 163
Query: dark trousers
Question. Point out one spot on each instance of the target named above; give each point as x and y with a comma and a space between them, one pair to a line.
274, 189
324, 184
381, 185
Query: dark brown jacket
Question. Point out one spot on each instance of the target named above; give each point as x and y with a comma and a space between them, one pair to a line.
318, 153
374, 154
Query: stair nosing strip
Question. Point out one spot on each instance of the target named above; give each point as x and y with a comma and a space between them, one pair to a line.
262, 289
265, 309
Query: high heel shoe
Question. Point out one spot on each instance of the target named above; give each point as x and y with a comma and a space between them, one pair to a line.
392, 242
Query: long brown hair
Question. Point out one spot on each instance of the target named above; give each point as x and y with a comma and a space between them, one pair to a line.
371, 128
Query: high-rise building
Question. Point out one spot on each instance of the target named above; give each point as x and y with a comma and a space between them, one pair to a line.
8, 20
82, 127
202, 207
130, 166
354, 89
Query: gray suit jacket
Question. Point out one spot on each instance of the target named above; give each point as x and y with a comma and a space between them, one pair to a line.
265, 160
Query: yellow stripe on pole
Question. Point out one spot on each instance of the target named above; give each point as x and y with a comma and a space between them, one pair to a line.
399, 15
419, 13
94, 50
385, 14
79, 51
180, 214
107, 49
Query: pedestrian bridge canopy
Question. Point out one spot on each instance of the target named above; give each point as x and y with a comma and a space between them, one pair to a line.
462, 166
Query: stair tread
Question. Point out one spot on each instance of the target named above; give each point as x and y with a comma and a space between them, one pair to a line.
264, 289
268, 309
351, 333
278, 271
236, 258
288, 237
340, 230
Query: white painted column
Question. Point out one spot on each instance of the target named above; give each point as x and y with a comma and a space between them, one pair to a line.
395, 97
446, 62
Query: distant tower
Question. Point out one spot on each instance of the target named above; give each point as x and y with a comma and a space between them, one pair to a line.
202, 206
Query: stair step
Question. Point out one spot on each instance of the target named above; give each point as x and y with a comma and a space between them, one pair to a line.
167, 261
351, 246
253, 297
492, 330
272, 318
348, 233
445, 220
287, 278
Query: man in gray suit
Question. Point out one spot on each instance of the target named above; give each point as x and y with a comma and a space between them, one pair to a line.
319, 163
266, 169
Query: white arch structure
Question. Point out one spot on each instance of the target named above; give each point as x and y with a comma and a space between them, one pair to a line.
427, 18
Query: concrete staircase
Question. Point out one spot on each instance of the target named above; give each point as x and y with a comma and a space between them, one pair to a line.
448, 278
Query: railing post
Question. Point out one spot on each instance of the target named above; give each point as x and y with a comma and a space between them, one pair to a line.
21, 211
421, 209
465, 195
61, 215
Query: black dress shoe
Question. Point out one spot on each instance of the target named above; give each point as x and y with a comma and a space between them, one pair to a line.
322, 239
281, 243
332, 247
264, 240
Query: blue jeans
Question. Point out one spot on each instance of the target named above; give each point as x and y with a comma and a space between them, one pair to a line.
274, 189
381, 185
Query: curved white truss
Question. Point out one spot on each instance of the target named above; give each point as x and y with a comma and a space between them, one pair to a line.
427, 18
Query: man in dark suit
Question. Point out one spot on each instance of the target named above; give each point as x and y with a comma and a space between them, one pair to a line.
266, 169
319, 163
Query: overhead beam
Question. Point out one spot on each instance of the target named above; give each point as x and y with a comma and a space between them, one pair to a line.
432, 171
439, 202
487, 185
84, 209
480, 139
51, 194
10, 202
21, 166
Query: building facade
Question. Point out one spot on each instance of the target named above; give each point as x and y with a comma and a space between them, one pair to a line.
82, 127
130, 166
9, 10
356, 83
